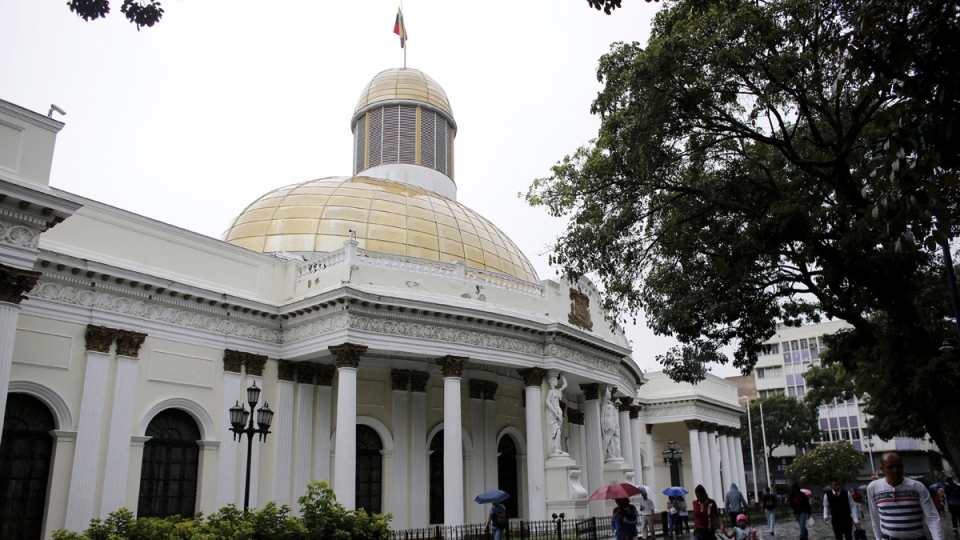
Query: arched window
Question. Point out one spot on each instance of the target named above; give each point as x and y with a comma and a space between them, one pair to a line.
168, 476
369, 470
436, 478
24, 466
508, 471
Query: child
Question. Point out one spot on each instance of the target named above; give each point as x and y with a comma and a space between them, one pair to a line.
741, 531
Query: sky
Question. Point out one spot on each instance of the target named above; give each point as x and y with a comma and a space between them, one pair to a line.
190, 121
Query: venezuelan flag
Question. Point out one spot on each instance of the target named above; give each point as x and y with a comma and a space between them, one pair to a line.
400, 29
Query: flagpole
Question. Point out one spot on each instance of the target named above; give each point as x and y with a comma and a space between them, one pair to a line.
404, 40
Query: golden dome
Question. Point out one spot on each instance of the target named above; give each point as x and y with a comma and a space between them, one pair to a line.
388, 217
404, 84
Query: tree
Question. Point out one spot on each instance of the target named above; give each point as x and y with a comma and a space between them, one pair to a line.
786, 421
139, 12
761, 163
839, 460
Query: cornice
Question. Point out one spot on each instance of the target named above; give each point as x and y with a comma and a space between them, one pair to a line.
34, 118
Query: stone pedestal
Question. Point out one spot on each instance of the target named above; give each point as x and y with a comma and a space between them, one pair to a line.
617, 470
565, 492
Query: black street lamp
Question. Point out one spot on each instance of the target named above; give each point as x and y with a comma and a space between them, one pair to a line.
673, 454
238, 419
673, 458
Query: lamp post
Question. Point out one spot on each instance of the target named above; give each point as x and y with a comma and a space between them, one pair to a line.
673, 458
753, 454
238, 420
766, 454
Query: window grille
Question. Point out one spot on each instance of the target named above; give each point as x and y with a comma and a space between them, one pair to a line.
428, 138
408, 134
442, 130
391, 128
359, 148
376, 137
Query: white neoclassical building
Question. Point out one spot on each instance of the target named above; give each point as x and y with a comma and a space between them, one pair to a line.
411, 354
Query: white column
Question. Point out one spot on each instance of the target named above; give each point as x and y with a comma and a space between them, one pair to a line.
536, 479
714, 456
283, 431
401, 452
594, 441
705, 464
626, 435
418, 450
727, 467
8, 331
254, 376
477, 483
652, 473
345, 457
696, 464
736, 447
490, 436
121, 429
303, 462
86, 460
227, 461
635, 429
452, 367
321, 440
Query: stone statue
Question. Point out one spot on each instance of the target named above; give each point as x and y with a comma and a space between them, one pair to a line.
610, 426
555, 413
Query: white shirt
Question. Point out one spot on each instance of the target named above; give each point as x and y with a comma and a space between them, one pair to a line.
646, 507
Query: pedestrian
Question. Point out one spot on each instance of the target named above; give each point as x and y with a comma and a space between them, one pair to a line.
498, 518
624, 520
839, 506
682, 515
858, 499
673, 517
899, 506
952, 492
769, 503
706, 517
647, 509
734, 503
741, 531
801, 509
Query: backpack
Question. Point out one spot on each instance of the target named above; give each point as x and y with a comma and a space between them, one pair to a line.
500, 520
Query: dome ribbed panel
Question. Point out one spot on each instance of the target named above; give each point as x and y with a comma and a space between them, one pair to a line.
388, 217
404, 84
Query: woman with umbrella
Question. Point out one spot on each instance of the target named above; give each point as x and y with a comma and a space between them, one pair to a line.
800, 504
674, 501
624, 519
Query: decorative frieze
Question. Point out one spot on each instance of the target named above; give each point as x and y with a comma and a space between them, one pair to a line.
15, 283
286, 370
532, 376
580, 310
129, 343
590, 391
347, 354
19, 235
418, 381
452, 366
99, 338
325, 374
400, 379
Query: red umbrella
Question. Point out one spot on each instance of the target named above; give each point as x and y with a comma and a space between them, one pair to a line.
615, 491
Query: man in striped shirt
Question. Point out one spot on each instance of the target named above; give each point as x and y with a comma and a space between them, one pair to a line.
898, 505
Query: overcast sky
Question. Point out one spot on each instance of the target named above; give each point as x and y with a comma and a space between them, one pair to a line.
224, 100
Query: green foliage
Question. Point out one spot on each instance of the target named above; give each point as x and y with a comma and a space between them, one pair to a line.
322, 517
786, 420
838, 460
779, 162
139, 12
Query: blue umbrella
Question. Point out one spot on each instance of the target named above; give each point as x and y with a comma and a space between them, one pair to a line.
492, 496
675, 491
